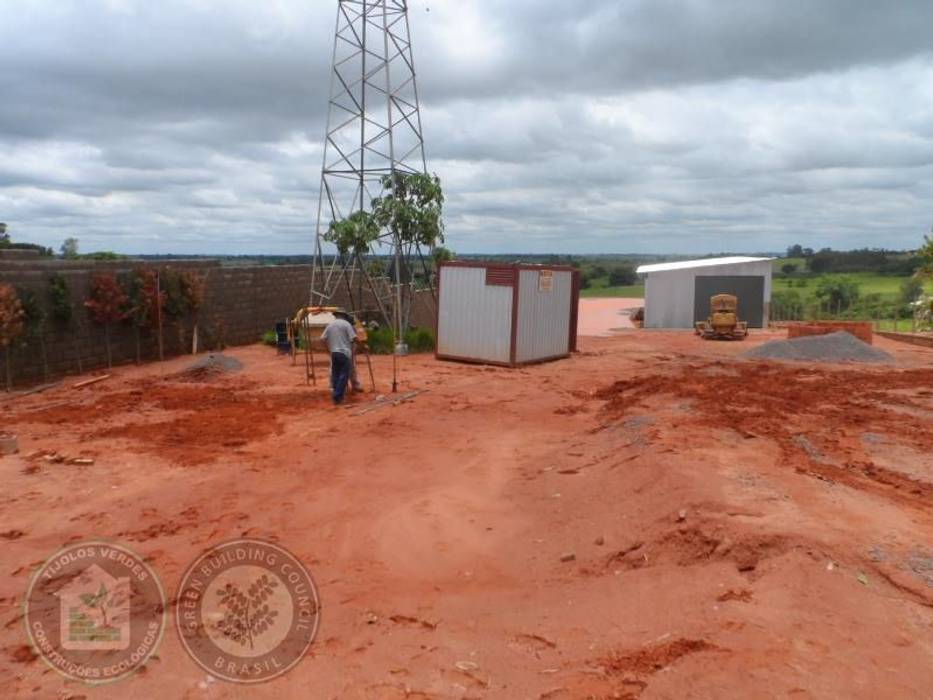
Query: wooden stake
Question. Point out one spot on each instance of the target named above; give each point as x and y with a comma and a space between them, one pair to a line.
310, 373
369, 361
88, 382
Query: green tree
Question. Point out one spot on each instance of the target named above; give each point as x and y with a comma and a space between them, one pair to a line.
193, 289
375, 268
35, 317
411, 208
184, 290
69, 248
4, 236
622, 276
911, 290
442, 255
838, 293
788, 268
144, 302
786, 305
926, 254
107, 305
353, 235
103, 255
821, 262
62, 312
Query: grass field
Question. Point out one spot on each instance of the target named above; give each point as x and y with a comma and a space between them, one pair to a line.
599, 288
869, 283
888, 287
904, 325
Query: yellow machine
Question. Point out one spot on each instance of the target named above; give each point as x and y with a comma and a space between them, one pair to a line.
723, 322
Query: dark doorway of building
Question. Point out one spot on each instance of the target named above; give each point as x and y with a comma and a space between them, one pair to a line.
748, 288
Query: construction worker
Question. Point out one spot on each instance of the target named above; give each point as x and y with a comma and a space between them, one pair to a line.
340, 336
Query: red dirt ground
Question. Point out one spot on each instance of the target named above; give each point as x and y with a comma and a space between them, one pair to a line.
738, 529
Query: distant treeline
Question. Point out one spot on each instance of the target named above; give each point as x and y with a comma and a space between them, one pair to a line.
594, 266
877, 260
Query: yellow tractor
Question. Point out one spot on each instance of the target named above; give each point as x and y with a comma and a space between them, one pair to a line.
723, 322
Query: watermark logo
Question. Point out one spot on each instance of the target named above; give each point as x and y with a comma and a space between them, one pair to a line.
95, 611
247, 611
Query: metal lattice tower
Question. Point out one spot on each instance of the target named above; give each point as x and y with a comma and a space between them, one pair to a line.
373, 130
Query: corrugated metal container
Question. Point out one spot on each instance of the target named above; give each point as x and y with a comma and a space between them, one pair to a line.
506, 314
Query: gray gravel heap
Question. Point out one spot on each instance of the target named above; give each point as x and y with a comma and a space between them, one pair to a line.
211, 365
833, 347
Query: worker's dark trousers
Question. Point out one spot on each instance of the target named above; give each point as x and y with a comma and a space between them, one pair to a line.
339, 374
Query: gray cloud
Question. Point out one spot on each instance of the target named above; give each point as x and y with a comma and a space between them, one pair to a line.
647, 125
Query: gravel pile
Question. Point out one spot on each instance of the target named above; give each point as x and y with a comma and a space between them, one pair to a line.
834, 347
210, 366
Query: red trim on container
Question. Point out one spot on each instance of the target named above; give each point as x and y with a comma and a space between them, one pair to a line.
513, 342
502, 275
574, 310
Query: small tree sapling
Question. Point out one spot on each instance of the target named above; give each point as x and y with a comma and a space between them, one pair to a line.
107, 305
12, 325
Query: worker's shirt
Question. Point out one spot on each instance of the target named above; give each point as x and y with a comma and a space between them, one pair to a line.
339, 336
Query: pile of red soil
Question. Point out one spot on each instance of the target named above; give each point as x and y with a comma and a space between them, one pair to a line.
144, 396
189, 424
816, 416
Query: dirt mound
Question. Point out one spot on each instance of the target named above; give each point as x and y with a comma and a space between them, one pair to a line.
832, 347
182, 420
143, 396
213, 365
651, 659
817, 417
626, 673
695, 545
206, 435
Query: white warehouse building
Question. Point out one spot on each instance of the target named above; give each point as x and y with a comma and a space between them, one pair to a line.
677, 293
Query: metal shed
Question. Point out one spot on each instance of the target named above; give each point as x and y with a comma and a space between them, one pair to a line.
506, 314
677, 293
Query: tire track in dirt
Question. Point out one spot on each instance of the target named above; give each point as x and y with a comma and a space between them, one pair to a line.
701, 543
806, 411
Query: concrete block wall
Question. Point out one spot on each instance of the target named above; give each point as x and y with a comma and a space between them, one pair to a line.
240, 304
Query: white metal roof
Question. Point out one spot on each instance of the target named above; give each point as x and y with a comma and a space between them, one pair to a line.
706, 262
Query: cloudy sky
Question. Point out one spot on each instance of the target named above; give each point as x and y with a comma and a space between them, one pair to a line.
693, 126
